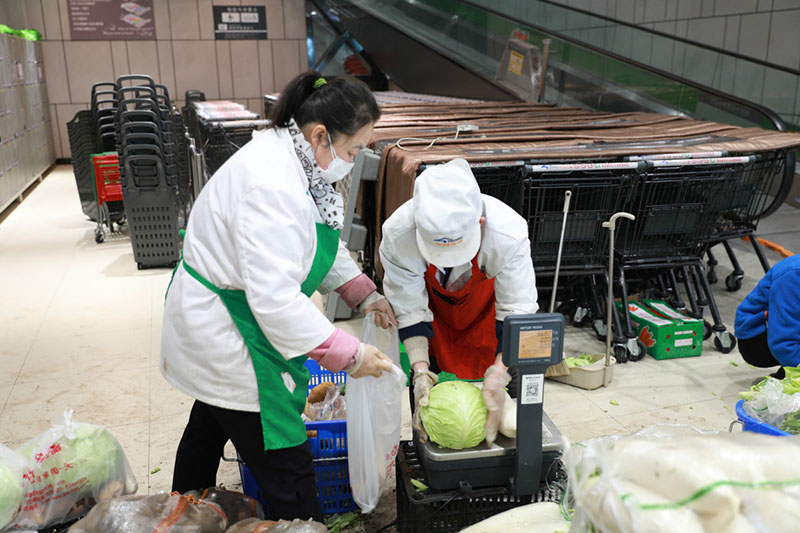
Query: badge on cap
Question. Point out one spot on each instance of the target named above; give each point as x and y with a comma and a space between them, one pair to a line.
448, 241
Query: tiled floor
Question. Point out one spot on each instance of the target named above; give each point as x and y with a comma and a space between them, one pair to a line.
80, 328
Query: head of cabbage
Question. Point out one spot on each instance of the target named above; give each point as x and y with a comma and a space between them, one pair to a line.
455, 416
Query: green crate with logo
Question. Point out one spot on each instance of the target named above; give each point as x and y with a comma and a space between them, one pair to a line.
666, 337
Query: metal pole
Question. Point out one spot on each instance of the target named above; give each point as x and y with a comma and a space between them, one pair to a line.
567, 196
611, 225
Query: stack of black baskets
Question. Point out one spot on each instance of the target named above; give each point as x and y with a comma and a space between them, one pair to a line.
91, 131
153, 170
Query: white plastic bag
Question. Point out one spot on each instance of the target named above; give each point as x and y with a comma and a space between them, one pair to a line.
70, 467
770, 403
677, 478
374, 413
12, 466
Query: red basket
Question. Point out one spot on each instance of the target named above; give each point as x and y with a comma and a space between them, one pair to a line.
106, 178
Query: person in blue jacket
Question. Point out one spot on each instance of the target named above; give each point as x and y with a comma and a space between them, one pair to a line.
768, 320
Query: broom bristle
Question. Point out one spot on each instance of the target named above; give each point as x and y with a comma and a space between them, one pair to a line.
557, 370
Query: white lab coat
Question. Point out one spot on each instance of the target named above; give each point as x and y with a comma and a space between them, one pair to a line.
505, 255
252, 228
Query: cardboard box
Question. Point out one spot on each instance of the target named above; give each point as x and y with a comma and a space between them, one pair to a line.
666, 338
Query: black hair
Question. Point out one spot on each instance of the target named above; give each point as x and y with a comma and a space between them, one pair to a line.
343, 104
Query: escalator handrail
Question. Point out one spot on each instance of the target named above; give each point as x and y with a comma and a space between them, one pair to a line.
678, 38
773, 117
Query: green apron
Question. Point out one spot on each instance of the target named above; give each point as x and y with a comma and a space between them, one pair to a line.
282, 384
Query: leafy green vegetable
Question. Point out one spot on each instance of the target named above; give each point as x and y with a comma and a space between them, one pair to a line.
790, 424
455, 416
156, 470
337, 522
419, 485
91, 459
583, 359
10, 494
614, 402
734, 363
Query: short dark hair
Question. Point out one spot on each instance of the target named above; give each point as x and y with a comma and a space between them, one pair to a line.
343, 104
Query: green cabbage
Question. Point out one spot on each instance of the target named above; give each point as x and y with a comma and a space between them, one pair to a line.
790, 383
583, 359
10, 494
455, 416
93, 453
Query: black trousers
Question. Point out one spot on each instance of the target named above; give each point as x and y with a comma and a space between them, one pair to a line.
285, 476
756, 352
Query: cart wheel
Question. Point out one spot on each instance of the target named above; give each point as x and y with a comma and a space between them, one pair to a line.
725, 342
98, 236
706, 330
579, 317
733, 282
139, 266
621, 353
642, 350
711, 276
599, 328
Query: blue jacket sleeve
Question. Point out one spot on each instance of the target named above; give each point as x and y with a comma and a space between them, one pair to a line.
783, 323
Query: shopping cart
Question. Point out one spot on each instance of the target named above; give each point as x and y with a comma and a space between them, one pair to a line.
677, 204
753, 197
107, 191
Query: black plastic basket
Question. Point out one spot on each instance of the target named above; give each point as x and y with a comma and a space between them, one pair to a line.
153, 222
450, 511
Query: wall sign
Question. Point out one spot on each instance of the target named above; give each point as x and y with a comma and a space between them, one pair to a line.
240, 22
114, 20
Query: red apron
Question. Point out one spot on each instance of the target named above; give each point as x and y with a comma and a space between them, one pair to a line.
464, 328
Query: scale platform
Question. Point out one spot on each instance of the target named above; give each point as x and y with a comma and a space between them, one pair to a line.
481, 466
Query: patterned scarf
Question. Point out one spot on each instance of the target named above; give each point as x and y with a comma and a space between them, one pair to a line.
329, 202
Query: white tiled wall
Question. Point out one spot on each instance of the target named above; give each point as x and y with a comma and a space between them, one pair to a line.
762, 29
768, 27
184, 56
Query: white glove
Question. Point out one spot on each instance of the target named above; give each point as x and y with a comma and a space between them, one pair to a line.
384, 315
494, 381
370, 362
423, 383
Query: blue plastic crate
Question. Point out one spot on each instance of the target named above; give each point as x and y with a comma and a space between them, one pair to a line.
329, 449
756, 426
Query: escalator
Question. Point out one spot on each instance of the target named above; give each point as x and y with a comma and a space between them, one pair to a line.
461, 48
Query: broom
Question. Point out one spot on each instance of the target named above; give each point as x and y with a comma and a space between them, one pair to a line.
560, 368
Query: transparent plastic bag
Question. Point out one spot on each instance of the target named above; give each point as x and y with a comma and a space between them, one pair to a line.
770, 404
12, 466
160, 512
252, 525
694, 481
235, 505
69, 468
333, 407
374, 414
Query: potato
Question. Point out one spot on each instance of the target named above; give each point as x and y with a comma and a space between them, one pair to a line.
318, 393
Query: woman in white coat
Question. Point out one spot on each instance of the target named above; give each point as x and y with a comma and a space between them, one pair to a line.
238, 322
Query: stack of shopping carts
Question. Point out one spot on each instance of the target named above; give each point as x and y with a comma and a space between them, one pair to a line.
219, 128
689, 184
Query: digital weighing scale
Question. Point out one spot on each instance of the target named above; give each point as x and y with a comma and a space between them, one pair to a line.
531, 343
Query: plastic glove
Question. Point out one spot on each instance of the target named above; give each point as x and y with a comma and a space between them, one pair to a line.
384, 315
494, 381
370, 361
423, 383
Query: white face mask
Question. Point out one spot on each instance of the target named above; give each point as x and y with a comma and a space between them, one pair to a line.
337, 169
